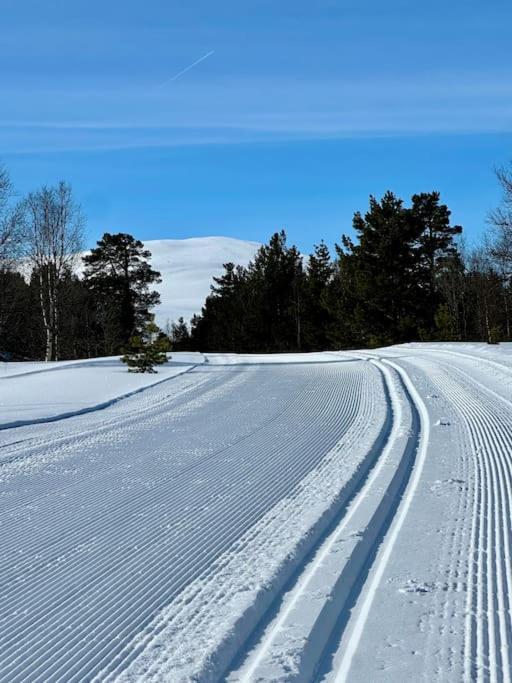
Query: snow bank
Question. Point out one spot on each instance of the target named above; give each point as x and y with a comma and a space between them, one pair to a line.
41, 392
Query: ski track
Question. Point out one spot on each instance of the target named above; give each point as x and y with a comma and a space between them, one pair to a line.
476, 558
416, 452
269, 649
238, 522
487, 418
109, 518
181, 634
88, 409
441, 625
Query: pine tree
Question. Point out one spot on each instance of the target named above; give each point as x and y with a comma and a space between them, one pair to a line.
435, 244
382, 271
145, 350
390, 275
118, 273
395, 280
231, 306
258, 308
276, 281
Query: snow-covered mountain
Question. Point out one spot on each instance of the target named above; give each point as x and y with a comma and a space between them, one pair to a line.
188, 266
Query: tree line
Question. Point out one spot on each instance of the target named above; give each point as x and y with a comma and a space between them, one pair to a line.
56, 303
403, 274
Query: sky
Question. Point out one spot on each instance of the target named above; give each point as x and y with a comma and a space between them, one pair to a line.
176, 119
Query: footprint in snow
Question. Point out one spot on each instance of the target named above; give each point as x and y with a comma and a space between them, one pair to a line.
394, 643
421, 587
445, 485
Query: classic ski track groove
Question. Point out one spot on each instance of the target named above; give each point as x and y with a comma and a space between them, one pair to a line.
313, 569
79, 601
416, 451
193, 620
107, 579
486, 562
487, 417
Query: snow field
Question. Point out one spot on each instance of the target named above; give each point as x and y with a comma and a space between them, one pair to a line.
487, 417
109, 519
31, 392
316, 517
442, 610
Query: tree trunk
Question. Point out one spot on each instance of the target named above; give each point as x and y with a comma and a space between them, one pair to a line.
487, 325
46, 321
507, 313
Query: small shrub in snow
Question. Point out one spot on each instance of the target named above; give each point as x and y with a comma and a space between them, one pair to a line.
145, 351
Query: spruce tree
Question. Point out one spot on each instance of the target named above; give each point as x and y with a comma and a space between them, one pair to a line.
180, 336
16, 315
317, 317
276, 278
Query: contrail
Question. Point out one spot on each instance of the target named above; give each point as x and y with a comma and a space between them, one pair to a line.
187, 68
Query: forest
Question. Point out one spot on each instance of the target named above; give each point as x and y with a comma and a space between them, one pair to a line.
404, 273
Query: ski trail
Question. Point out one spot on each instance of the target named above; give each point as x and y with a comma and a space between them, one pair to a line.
487, 417
132, 410
99, 539
304, 582
337, 571
16, 424
363, 611
247, 523
225, 581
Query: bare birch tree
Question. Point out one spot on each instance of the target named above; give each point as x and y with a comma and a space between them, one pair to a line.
10, 250
53, 228
501, 222
499, 243
10, 223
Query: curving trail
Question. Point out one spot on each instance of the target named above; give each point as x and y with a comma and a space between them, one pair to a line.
326, 517
487, 419
450, 602
108, 518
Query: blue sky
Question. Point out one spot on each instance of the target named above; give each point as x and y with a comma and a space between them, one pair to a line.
300, 111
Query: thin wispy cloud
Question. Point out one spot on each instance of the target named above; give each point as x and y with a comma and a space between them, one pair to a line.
256, 110
187, 68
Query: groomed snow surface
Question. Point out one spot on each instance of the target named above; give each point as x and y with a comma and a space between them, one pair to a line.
317, 517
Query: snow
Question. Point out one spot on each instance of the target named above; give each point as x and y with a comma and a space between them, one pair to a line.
33, 392
297, 517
